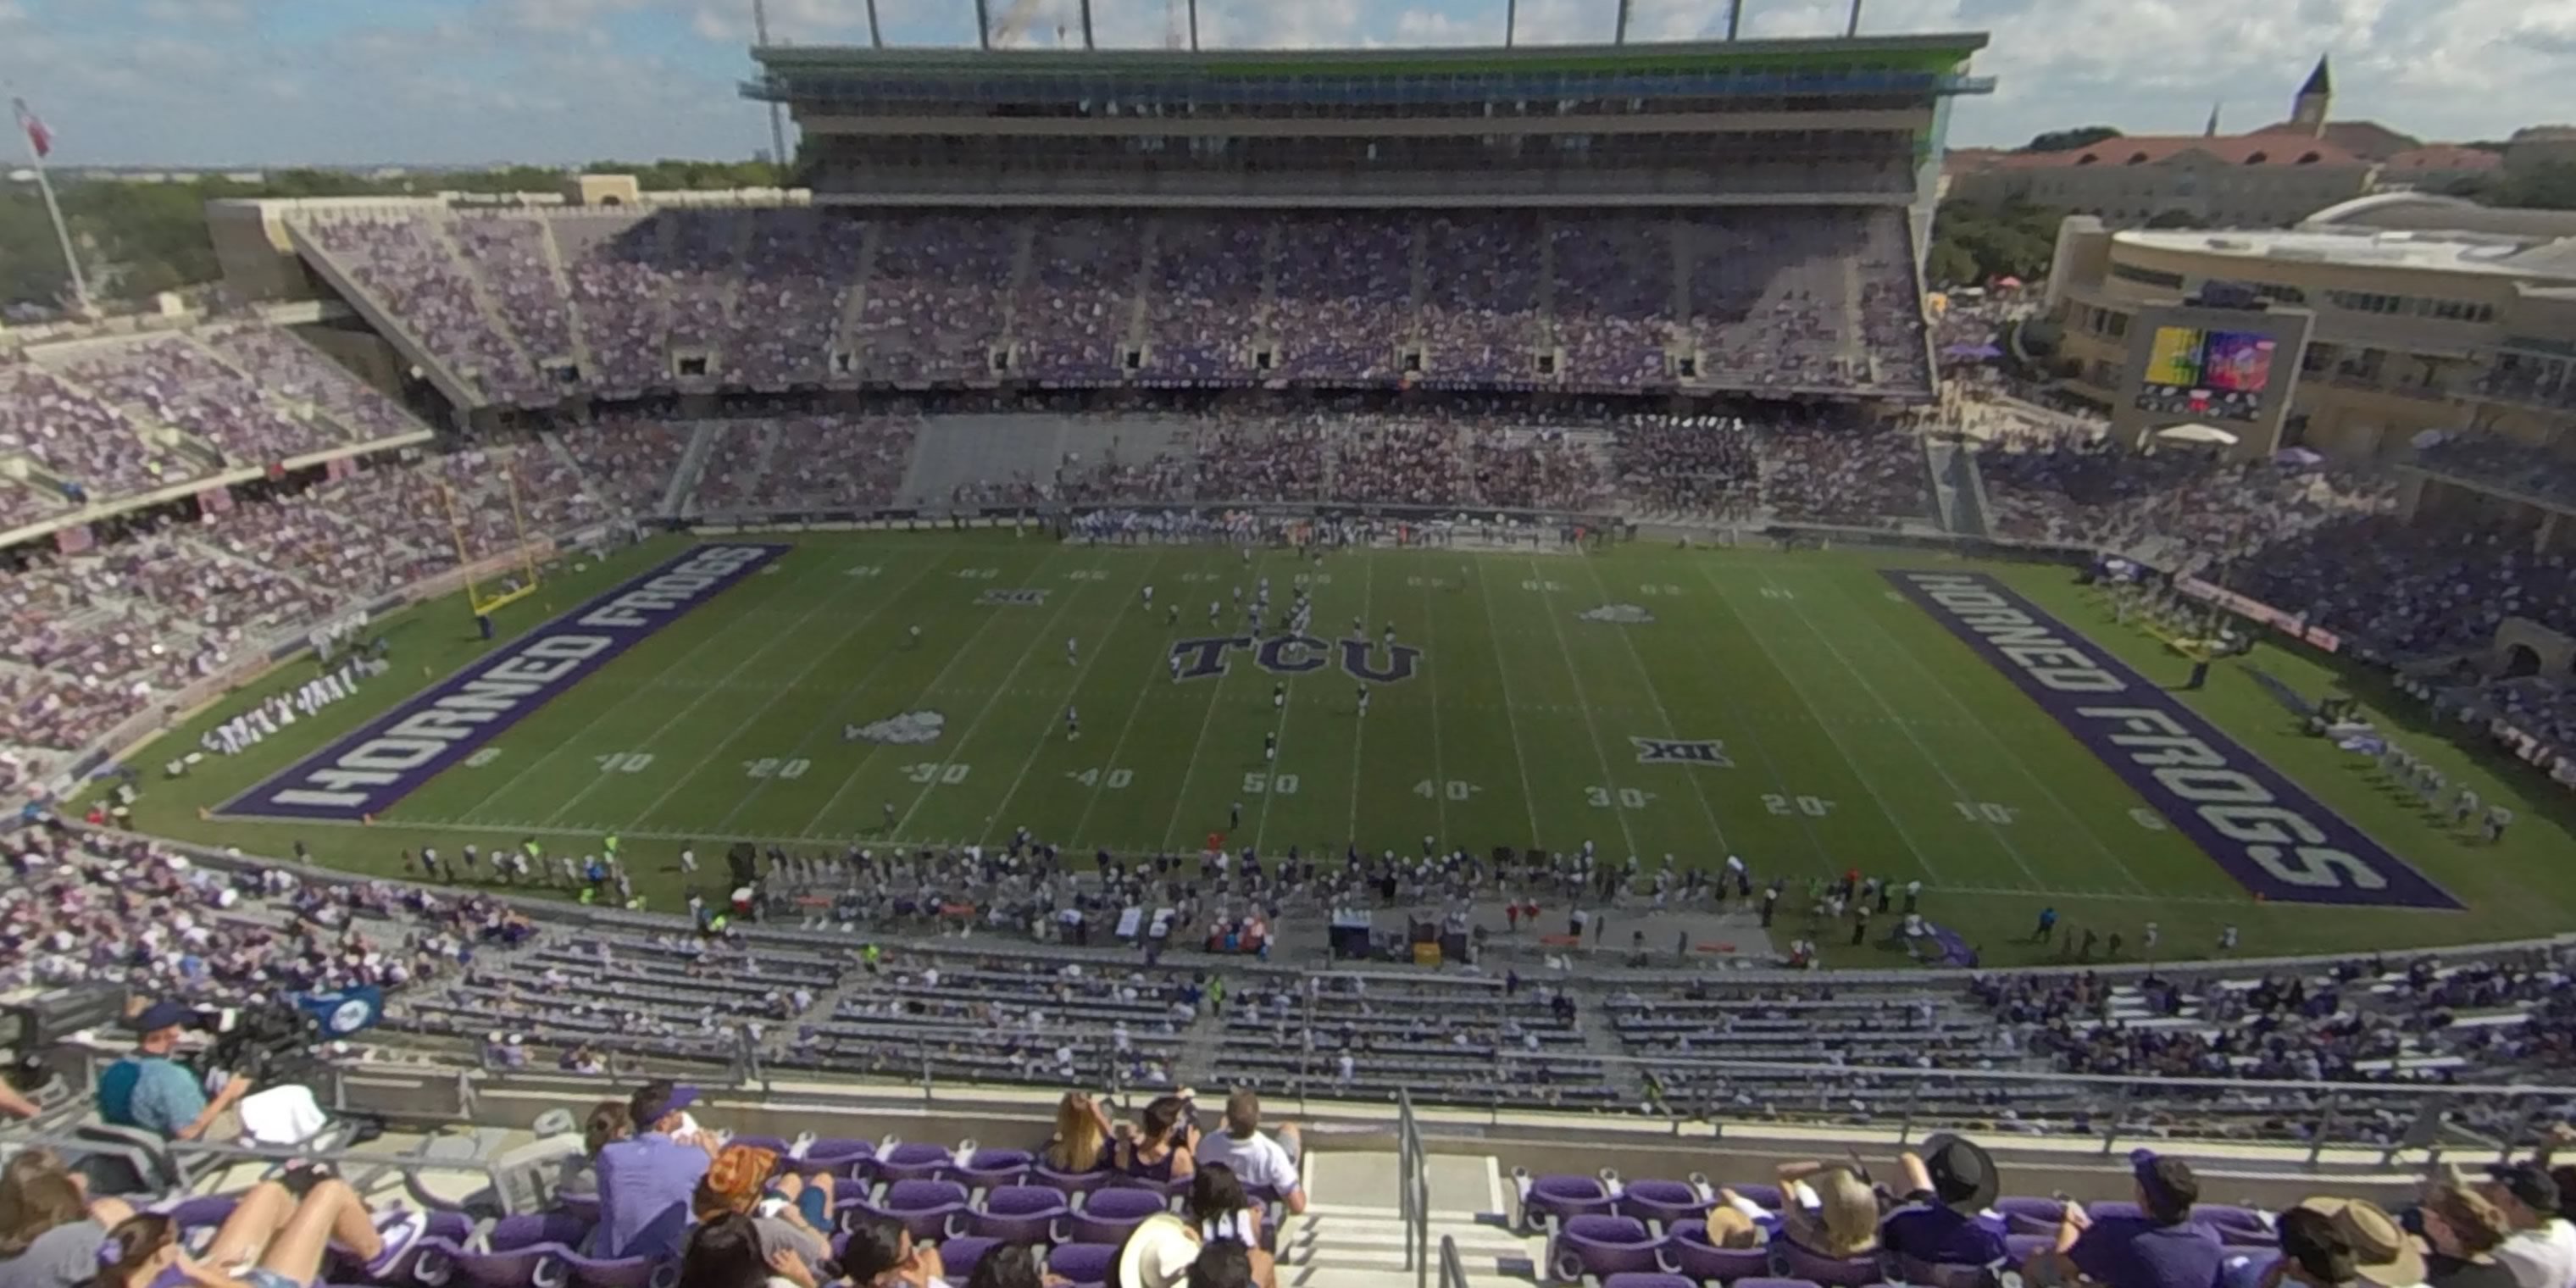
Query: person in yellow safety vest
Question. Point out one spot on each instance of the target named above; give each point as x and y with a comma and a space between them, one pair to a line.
609, 843
590, 894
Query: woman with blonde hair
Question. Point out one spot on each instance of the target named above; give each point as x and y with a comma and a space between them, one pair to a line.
1830, 1211
1081, 1140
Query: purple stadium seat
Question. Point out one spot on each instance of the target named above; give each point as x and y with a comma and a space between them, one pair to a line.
1562, 1197
2112, 1210
1693, 1255
1069, 1182
1018, 1214
2024, 1214
620, 1272
1928, 1274
916, 1160
1833, 1272
1670, 1202
1645, 1279
429, 1260
1772, 1283
2019, 1248
1086, 1264
987, 1168
1766, 1197
512, 1233
539, 1266
927, 1208
957, 1257
1605, 1245
773, 1144
449, 1227
1107, 1215
838, 1157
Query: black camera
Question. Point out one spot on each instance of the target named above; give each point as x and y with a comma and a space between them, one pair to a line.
270, 1043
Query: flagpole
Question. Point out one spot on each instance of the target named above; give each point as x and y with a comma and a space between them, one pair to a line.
62, 232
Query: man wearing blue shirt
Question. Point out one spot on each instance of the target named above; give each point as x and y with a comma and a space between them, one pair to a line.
2162, 1247
647, 1180
150, 1091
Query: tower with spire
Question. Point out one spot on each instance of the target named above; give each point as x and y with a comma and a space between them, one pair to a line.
2309, 111
2210, 131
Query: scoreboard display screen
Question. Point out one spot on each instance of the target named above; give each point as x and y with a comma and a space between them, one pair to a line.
2192, 371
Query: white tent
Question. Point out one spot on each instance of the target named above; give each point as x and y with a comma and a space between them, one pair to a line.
2196, 433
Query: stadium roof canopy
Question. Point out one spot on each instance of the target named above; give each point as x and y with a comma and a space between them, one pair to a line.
1921, 65
1931, 53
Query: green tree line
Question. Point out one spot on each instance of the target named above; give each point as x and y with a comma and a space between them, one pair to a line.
138, 239
1973, 245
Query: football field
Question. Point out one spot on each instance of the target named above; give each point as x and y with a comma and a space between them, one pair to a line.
1799, 709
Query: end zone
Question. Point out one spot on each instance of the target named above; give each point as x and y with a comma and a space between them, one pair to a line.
2267, 832
366, 772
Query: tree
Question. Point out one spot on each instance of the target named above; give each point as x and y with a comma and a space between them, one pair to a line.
1950, 264
2082, 136
2012, 240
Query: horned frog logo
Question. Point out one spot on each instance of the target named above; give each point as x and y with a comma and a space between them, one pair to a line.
910, 728
1618, 615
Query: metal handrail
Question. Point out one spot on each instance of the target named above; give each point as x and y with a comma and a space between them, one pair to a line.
1453, 1271
1413, 1190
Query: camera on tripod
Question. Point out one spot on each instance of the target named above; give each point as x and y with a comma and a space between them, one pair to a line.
268, 1042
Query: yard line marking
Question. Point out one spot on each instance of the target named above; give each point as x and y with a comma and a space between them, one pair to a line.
1548, 606
1939, 765
1439, 766
1037, 745
1359, 723
689, 708
1153, 680
1044, 634
1216, 694
960, 655
1951, 696
507, 781
1867, 783
1503, 674
849, 694
1663, 715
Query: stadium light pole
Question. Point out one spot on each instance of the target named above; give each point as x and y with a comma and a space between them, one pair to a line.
876, 34
1086, 25
1511, 21
1620, 36
983, 26
1852, 28
777, 117
1194, 26
1734, 17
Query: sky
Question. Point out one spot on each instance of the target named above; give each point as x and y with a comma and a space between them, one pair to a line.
450, 82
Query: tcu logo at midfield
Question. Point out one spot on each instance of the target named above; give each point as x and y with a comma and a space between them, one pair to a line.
1296, 655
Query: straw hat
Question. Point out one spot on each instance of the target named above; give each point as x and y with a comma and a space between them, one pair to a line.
2381, 1251
1157, 1254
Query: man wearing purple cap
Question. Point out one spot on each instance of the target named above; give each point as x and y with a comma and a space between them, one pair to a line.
647, 1179
2160, 1247
149, 1090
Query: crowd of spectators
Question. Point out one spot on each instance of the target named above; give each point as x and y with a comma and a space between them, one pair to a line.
2502, 462
2180, 506
772, 298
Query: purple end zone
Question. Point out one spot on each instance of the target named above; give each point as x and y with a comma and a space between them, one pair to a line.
2267, 832
366, 772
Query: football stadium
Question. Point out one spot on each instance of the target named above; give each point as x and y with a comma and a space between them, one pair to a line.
1308, 668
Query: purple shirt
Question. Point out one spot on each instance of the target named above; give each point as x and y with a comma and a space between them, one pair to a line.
2136, 1252
645, 1184
1930, 1232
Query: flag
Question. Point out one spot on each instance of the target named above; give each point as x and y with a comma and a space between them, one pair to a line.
38, 137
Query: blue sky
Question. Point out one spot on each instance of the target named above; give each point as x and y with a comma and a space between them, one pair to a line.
270, 82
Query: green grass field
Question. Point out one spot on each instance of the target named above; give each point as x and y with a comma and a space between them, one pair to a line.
1861, 733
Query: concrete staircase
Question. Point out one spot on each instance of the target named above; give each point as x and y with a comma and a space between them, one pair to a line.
553, 254
1352, 1235
443, 233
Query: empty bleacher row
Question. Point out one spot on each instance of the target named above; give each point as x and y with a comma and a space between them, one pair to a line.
531, 306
